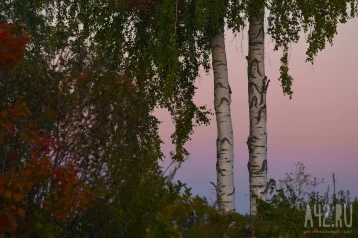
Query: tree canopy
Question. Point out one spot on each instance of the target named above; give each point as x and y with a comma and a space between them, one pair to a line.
79, 81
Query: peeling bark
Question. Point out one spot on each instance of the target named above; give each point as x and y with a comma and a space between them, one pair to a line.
225, 143
257, 87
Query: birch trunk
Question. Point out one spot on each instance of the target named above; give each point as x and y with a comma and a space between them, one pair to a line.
257, 86
225, 143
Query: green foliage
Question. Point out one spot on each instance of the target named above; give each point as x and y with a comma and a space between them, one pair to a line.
318, 18
285, 77
284, 213
161, 47
91, 76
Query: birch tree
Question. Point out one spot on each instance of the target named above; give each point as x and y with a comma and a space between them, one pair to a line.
257, 88
231, 10
317, 19
225, 141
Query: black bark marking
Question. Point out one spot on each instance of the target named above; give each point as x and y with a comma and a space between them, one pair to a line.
217, 152
256, 43
257, 186
233, 191
249, 168
225, 139
219, 63
253, 102
219, 84
222, 174
255, 61
261, 110
265, 84
251, 139
250, 143
213, 47
262, 91
218, 170
258, 33
263, 167
222, 100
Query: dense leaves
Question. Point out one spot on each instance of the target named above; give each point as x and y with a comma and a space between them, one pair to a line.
317, 18
35, 191
12, 45
79, 145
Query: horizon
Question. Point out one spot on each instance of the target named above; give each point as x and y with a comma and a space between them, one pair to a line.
316, 127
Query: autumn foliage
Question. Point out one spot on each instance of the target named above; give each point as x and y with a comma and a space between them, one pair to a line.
35, 186
63, 194
12, 45
80, 148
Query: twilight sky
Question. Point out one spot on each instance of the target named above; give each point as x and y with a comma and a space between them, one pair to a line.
317, 127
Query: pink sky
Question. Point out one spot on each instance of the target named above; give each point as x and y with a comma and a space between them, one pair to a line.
317, 127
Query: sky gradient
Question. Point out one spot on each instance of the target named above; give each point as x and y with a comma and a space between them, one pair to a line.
317, 127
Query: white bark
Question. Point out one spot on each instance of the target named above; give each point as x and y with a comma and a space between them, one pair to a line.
257, 86
225, 143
